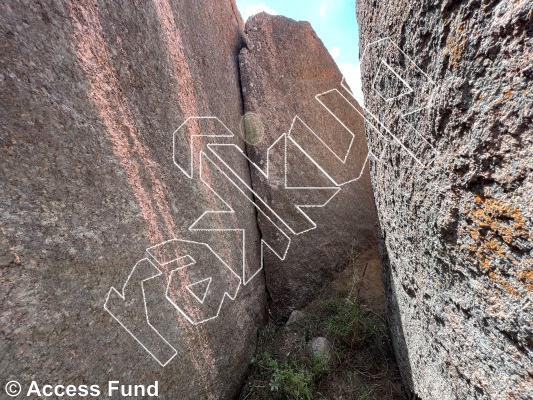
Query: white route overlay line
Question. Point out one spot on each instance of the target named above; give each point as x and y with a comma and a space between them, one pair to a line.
411, 90
389, 39
192, 262
201, 300
339, 185
369, 122
226, 294
342, 160
122, 295
266, 174
344, 85
231, 211
317, 97
190, 174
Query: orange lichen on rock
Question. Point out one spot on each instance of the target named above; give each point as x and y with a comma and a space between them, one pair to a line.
494, 227
525, 277
492, 214
507, 93
455, 46
495, 276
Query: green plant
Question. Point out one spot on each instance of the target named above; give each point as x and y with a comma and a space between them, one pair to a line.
307, 334
357, 367
295, 383
348, 323
365, 395
319, 366
356, 277
340, 354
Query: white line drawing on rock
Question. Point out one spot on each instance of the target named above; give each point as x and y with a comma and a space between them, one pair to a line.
200, 298
187, 166
280, 255
284, 228
266, 173
214, 157
173, 247
191, 317
166, 356
405, 83
411, 72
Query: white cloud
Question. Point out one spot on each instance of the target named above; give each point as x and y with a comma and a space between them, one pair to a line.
335, 52
256, 9
352, 73
323, 9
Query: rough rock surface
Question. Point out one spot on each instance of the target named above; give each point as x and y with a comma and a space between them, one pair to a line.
296, 317
90, 95
456, 234
320, 347
283, 67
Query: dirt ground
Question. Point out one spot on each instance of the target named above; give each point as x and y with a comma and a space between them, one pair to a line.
350, 313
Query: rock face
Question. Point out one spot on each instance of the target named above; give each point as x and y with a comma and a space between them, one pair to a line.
90, 97
455, 232
300, 112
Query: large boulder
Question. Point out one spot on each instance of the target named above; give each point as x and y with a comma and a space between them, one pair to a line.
92, 176
450, 82
301, 112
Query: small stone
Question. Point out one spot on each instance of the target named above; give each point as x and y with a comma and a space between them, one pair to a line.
320, 347
295, 317
252, 128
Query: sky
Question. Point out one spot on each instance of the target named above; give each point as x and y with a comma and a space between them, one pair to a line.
334, 22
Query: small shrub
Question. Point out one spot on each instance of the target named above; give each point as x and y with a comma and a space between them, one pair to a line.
347, 323
293, 382
358, 360
319, 366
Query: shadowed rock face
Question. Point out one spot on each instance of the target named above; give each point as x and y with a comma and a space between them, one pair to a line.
455, 234
285, 72
90, 97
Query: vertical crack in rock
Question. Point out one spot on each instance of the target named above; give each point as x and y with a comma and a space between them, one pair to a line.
89, 107
283, 67
242, 129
